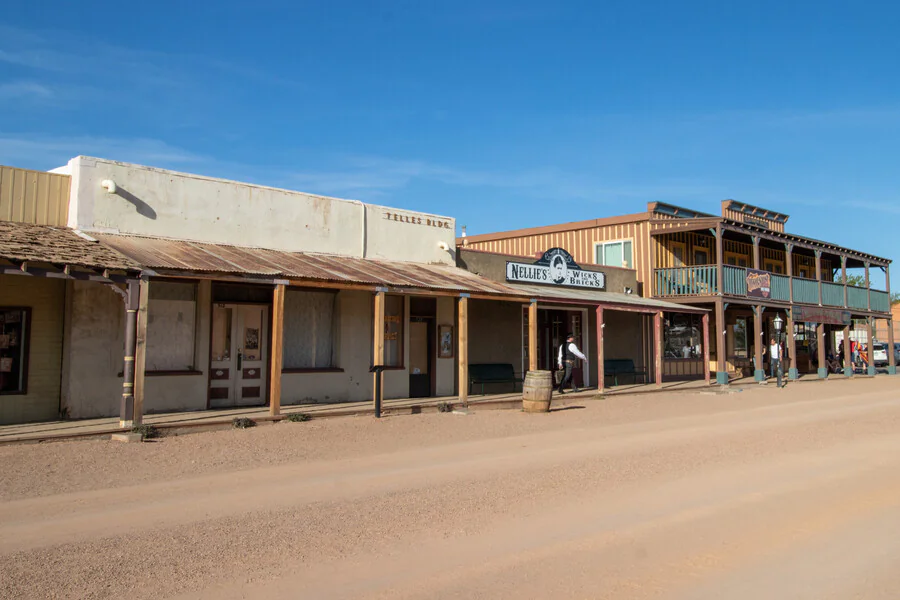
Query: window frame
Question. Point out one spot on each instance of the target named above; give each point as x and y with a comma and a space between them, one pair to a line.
196, 368
335, 332
402, 339
622, 241
26, 350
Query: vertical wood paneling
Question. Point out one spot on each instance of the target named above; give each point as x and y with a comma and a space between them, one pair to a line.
34, 197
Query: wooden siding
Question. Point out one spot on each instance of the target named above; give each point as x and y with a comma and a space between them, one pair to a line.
34, 197
46, 298
740, 217
580, 244
691, 242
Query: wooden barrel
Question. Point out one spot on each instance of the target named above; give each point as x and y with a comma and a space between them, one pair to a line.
537, 391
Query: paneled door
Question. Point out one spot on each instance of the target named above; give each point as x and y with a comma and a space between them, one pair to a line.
238, 355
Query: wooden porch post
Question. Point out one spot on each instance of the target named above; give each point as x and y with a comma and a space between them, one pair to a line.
278, 349
533, 336
132, 300
756, 252
721, 373
140, 351
844, 277
820, 342
848, 356
720, 263
378, 354
892, 361
706, 347
789, 269
868, 290
870, 353
600, 369
793, 371
657, 346
464, 349
819, 273
759, 373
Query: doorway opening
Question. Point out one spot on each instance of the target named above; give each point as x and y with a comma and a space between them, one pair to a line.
422, 346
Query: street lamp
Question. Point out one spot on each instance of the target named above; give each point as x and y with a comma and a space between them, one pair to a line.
779, 323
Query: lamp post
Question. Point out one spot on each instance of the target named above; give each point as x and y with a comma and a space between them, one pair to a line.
779, 324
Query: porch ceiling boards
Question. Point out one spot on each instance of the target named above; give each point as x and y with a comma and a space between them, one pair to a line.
197, 257
24, 242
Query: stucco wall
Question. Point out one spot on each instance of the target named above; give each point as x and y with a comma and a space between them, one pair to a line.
447, 367
157, 202
46, 298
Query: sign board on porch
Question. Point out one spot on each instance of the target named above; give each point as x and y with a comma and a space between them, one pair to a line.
815, 314
759, 284
556, 267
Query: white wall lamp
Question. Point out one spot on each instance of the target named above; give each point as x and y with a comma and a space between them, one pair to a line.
444, 246
109, 185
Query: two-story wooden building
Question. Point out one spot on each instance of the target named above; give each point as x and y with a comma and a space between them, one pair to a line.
743, 265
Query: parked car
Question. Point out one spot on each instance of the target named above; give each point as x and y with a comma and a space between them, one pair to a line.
897, 353
879, 354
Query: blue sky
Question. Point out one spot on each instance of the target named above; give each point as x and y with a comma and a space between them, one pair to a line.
502, 114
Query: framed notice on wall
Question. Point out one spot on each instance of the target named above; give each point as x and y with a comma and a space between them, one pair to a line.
445, 341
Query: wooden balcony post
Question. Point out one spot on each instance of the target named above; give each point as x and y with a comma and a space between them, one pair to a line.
759, 373
654, 248
533, 336
819, 273
464, 349
868, 290
844, 278
756, 252
789, 268
658, 347
600, 366
720, 264
721, 373
706, 347
277, 349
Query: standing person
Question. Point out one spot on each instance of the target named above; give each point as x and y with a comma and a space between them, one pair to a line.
568, 352
775, 357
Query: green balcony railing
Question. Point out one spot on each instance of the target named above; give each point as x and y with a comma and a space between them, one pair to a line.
781, 288
881, 301
686, 281
735, 281
857, 297
832, 294
806, 291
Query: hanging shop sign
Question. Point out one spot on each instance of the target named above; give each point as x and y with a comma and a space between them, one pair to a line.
815, 314
556, 267
759, 284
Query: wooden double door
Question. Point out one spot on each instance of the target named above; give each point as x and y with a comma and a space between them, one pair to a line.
238, 355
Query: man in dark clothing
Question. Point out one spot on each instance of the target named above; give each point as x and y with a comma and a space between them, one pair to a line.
568, 352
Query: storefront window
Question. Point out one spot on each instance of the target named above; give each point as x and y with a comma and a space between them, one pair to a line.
683, 336
740, 338
14, 323
393, 331
309, 329
171, 326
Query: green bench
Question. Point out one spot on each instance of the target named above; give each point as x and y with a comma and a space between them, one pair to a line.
481, 374
613, 367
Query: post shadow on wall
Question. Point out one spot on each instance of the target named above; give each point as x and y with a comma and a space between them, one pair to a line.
143, 209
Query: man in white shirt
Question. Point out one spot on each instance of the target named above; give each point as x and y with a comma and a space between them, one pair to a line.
775, 360
568, 352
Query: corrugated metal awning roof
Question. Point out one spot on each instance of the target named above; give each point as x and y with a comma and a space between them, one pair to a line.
197, 257
59, 246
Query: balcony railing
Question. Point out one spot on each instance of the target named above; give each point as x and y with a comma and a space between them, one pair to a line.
702, 281
832, 294
686, 281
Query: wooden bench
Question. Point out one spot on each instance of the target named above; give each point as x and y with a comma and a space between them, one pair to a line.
613, 367
492, 373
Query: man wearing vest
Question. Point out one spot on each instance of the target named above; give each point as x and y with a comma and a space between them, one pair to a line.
568, 352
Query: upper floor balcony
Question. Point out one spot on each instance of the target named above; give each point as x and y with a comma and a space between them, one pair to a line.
702, 280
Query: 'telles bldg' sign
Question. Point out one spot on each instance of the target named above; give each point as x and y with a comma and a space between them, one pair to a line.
556, 267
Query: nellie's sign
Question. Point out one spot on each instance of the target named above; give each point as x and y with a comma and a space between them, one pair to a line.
759, 284
555, 267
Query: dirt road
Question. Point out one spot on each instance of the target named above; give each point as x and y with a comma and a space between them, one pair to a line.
767, 493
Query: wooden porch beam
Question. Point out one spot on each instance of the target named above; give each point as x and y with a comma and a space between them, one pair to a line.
600, 355
705, 320
533, 336
140, 351
464, 350
657, 347
378, 352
